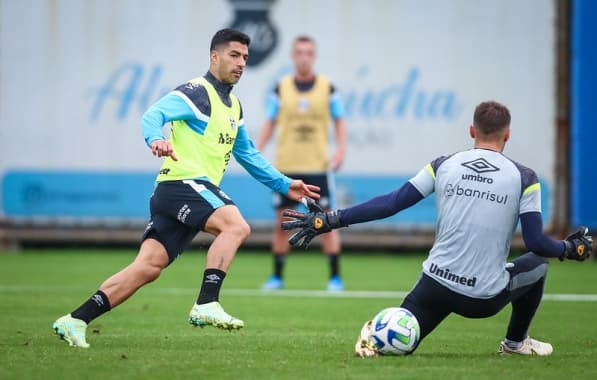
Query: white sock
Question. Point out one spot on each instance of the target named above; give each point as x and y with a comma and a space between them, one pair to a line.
512, 344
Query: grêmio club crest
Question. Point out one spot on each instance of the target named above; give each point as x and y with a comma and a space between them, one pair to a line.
252, 18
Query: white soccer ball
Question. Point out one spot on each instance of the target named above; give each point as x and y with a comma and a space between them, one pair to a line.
395, 331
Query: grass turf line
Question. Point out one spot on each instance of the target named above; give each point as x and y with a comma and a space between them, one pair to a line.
285, 337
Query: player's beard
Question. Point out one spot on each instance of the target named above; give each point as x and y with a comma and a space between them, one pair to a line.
233, 78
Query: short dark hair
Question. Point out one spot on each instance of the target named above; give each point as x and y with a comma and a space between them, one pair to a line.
304, 38
491, 117
226, 35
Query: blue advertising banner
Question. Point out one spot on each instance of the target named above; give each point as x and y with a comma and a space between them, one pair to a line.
583, 132
125, 196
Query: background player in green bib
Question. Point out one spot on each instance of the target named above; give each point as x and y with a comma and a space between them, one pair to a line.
207, 129
301, 109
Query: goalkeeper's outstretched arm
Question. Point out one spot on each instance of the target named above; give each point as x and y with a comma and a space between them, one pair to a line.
317, 221
577, 246
534, 238
382, 206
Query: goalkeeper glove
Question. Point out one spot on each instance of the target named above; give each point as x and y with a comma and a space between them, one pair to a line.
579, 245
314, 223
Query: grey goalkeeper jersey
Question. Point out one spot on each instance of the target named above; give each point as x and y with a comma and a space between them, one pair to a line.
479, 195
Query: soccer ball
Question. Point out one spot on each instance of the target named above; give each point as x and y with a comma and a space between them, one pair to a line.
395, 331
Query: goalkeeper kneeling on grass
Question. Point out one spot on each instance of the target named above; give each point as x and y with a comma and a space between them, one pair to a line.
480, 196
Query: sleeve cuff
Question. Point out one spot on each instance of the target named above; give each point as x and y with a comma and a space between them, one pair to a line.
154, 138
285, 187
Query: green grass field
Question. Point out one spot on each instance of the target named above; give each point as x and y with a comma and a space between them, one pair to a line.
289, 335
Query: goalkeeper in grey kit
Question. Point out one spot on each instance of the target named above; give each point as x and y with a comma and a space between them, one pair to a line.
480, 196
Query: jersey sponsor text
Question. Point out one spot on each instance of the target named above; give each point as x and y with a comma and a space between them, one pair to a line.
477, 178
458, 279
457, 190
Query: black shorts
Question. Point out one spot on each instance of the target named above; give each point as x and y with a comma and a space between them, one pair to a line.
179, 210
325, 181
431, 302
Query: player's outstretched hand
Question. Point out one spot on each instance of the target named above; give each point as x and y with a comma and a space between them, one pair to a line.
579, 245
163, 148
299, 190
311, 224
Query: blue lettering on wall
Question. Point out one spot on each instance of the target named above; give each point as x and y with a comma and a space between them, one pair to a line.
134, 84
399, 100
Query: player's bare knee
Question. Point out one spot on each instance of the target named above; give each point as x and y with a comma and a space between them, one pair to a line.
239, 230
243, 230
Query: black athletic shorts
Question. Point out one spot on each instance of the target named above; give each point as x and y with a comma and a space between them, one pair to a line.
324, 180
431, 301
179, 210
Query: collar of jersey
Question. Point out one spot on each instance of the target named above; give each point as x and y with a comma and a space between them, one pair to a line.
223, 89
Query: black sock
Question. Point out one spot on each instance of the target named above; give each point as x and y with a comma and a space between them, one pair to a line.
210, 288
95, 306
334, 265
523, 311
279, 260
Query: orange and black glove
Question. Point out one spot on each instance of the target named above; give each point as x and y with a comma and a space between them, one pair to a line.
311, 224
579, 245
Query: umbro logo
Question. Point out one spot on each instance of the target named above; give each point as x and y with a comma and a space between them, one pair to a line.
98, 300
212, 279
192, 85
480, 165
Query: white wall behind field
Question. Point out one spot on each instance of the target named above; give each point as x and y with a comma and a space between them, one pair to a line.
76, 76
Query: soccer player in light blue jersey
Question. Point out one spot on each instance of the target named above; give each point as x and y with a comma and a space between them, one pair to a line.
480, 196
207, 129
